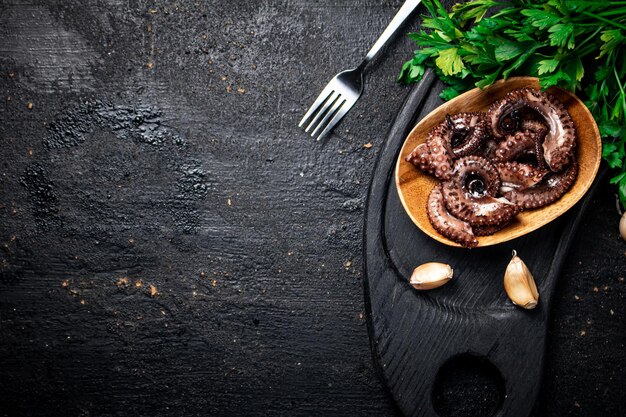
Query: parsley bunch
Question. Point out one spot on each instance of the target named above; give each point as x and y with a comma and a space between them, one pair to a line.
577, 45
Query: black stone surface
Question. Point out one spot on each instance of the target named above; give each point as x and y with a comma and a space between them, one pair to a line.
161, 155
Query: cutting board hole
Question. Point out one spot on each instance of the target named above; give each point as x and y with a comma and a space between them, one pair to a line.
468, 385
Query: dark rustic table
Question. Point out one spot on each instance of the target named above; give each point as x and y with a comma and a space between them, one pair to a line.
172, 244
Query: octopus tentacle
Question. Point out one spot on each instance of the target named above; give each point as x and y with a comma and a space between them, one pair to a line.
534, 126
466, 132
445, 223
540, 130
559, 143
468, 200
420, 157
440, 156
520, 176
432, 157
489, 230
516, 145
550, 189
457, 136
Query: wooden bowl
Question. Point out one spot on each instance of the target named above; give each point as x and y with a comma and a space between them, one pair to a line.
414, 186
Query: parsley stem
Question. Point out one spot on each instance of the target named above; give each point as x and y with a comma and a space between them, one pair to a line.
593, 35
613, 12
605, 20
621, 89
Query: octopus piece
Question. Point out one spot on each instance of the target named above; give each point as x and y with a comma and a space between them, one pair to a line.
465, 132
433, 157
519, 144
470, 194
457, 136
488, 230
445, 223
533, 125
505, 118
488, 149
422, 159
550, 189
519, 176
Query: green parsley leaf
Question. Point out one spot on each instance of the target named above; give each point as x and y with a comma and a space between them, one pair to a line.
561, 35
541, 19
508, 50
612, 155
449, 61
547, 66
612, 39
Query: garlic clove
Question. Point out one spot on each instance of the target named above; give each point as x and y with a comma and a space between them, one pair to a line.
622, 226
431, 275
519, 284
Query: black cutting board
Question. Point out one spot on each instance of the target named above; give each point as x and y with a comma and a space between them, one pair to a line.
422, 341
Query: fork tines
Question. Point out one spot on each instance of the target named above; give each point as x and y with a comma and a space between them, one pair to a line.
325, 113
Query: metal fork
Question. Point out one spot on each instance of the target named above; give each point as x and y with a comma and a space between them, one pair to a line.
343, 91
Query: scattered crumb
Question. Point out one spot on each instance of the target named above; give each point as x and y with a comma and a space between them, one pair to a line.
368, 145
577, 298
605, 288
229, 89
224, 77
149, 28
229, 202
153, 291
360, 316
150, 65
596, 289
202, 274
82, 302
576, 404
9, 98
138, 283
583, 333
612, 312
131, 241
241, 90
122, 282
347, 264
289, 253
30, 105
214, 282
153, 11
65, 283
11, 74
29, 151
254, 66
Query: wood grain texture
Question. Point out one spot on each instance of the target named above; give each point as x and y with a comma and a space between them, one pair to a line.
414, 186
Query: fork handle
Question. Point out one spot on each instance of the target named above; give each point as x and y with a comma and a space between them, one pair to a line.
397, 21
